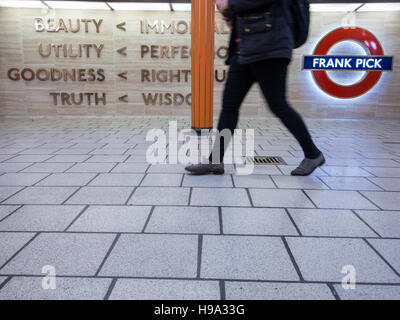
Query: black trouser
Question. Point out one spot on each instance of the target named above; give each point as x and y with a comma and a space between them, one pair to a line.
271, 76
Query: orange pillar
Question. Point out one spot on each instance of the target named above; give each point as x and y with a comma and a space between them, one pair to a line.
203, 21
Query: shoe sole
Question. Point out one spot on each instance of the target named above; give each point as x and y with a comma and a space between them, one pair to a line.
306, 175
206, 173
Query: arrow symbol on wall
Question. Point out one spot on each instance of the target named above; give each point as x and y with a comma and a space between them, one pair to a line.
123, 98
121, 26
123, 75
122, 51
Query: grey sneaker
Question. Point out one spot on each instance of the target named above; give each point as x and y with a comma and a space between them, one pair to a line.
205, 168
307, 166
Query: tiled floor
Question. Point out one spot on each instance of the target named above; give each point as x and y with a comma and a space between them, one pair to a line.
78, 195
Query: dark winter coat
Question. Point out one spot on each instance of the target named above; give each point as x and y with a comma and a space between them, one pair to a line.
261, 30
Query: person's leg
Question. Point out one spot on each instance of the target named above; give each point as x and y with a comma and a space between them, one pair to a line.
271, 76
238, 84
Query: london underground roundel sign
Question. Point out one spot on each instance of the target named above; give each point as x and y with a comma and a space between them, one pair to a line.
374, 63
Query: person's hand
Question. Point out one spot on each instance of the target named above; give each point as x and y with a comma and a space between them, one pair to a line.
222, 5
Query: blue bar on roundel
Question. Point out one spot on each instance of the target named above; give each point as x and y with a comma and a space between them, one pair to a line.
361, 63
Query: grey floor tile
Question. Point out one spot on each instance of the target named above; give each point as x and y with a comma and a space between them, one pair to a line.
277, 291
42, 195
106, 159
346, 171
101, 195
219, 197
137, 159
369, 292
280, 198
384, 172
21, 179
387, 184
289, 182
146, 289
288, 169
71, 254
386, 223
30, 288
67, 179
13, 167
92, 167
112, 219
49, 167
343, 162
160, 196
36, 151
10, 243
389, 249
6, 192
162, 180
41, 218
385, 200
4, 157
153, 256
257, 221
184, 220
339, 199
130, 168
253, 181
341, 154
323, 259
380, 163
292, 161
30, 158
349, 183
266, 170
247, 258
378, 155
111, 153
218, 181
66, 158
9, 153
339, 223
117, 180
6, 210
73, 152
166, 168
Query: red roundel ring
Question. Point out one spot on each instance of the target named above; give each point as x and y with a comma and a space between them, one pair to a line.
364, 37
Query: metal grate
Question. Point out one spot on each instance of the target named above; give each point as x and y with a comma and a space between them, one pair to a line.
259, 160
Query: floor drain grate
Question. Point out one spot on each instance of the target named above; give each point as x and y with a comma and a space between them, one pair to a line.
391, 142
264, 160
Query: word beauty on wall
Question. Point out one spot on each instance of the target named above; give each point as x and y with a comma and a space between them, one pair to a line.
67, 25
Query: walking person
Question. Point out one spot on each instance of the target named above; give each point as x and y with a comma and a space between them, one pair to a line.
260, 51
